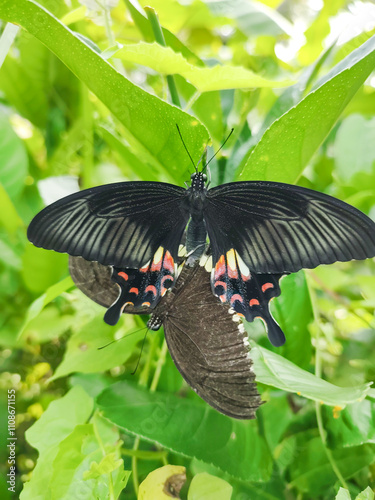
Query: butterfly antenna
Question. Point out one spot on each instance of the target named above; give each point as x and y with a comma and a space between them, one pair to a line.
220, 148
122, 338
186, 149
140, 354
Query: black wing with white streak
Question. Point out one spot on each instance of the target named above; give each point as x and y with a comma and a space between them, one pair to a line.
279, 228
121, 224
209, 348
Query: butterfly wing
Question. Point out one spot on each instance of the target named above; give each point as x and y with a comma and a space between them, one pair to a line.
94, 280
121, 224
209, 348
279, 228
249, 294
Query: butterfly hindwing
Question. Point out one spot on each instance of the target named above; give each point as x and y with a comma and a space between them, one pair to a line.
121, 224
209, 348
278, 228
144, 287
247, 293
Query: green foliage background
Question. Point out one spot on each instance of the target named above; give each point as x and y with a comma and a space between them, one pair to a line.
85, 91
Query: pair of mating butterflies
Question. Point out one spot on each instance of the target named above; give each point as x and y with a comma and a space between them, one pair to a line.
257, 231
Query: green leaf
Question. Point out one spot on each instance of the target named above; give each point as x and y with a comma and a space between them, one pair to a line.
13, 159
207, 487
252, 17
83, 354
77, 455
38, 305
190, 429
289, 143
42, 268
163, 483
311, 471
272, 369
352, 426
293, 312
164, 60
353, 147
366, 494
56, 423
9, 217
149, 123
343, 494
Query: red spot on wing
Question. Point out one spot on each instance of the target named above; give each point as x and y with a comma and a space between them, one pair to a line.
146, 304
245, 277
167, 277
168, 262
123, 275
134, 290
221, 283
151, 288
235, 297
254, 302
232, 273
266, 286
223, 298
220, 268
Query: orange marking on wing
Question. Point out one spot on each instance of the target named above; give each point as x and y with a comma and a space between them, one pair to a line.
145, 268
168, 262
163, 291
254, 302
127, 304
232, 265
223, 297
220, 267
220, 283
235, 297
146, 304
167, 277
240, 314
134, 290
123, 275
151, 288
245, 277
266, 286
157, 260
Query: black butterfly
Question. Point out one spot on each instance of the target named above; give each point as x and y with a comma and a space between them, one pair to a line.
209, 349
254, 228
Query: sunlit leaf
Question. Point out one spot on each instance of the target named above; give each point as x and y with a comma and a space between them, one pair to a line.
274, 370
166, 61
288, 145
207, 487
137, 110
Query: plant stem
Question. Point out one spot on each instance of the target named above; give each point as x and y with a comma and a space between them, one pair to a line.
159, 38
318, 407
102, 449
6, 40
159, 366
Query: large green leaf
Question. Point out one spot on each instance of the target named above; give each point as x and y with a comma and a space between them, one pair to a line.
207, 487
189, 428
274, 370
166, 61
149, 123
289, 143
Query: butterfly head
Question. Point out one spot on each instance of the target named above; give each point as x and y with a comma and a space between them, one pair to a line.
198, 181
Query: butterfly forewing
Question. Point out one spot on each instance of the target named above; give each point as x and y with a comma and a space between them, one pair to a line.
279, 228
121, 224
